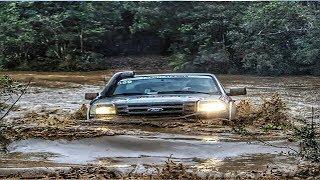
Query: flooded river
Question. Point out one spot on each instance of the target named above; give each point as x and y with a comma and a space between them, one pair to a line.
66, 92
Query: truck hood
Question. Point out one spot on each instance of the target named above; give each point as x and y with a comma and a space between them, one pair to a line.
146, 99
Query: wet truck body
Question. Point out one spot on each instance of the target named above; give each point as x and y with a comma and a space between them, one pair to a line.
176, 95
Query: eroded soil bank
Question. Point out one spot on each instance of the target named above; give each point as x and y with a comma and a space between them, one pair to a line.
46, 136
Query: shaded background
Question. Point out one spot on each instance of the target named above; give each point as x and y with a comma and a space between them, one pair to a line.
264, 38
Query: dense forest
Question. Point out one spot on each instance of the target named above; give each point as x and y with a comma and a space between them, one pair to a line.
265, 38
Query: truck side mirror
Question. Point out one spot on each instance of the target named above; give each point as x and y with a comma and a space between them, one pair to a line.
237, 91
90, 96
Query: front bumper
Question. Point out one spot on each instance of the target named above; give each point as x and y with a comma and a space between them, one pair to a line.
221, 115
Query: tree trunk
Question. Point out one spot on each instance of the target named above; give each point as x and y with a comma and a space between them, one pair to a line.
81, 40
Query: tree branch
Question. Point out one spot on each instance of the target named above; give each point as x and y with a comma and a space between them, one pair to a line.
22, 92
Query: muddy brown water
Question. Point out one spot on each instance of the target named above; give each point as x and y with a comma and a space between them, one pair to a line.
300, 93
125, 151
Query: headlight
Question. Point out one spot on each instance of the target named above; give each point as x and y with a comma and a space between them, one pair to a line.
105, 110
211, 106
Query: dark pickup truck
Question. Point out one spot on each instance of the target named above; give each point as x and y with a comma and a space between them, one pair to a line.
197, 95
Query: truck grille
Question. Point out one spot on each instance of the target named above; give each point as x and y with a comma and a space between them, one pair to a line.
156, 108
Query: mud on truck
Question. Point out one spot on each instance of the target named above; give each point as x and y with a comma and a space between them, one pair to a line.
177, 95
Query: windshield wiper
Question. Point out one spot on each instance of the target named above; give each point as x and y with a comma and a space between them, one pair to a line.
183, 92
163, 92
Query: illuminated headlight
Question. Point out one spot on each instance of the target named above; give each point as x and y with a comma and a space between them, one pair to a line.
105, 110
211, 106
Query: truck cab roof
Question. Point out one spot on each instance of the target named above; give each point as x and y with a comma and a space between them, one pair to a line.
175, 74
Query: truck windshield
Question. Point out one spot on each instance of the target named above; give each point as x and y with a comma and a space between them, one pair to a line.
166, 85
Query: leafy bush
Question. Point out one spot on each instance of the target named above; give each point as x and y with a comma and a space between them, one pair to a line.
309, 141
278, 38
54, 36
5, 87
178, 61
5, 83
82, 62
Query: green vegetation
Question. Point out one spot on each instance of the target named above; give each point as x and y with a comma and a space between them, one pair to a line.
266, 38
309, 138
5, 88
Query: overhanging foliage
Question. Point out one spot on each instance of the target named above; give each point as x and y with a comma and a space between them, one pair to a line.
267, 38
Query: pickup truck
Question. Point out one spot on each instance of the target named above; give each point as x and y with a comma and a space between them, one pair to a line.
178, 95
